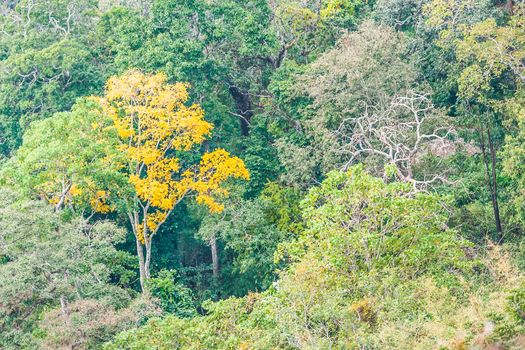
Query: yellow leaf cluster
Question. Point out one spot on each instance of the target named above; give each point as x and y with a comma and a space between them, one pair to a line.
155, 219
149, 112
99, 202
215, 168
75, 191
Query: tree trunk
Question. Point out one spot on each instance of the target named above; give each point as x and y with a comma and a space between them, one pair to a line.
66, 186
142, 266
244, 108
134, 221
214, 257
492, 180
148, 257
495, 205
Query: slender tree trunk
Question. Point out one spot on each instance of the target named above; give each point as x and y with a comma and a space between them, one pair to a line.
495, 205
142, 265
148, 257
492, 179
66, 186
134, 220
214, 257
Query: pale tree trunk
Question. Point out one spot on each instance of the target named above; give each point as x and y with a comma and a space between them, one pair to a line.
148, 257
66, 186
142, 265
134, 220
214, 257
144, 246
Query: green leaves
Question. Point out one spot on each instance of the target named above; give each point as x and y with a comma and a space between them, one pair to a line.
48, 262
67, 158
48, 62
174, 297
356, 221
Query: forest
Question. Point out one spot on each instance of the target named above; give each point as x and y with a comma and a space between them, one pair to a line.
262, 174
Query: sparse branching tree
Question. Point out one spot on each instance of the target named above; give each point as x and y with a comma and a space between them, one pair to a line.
400, 136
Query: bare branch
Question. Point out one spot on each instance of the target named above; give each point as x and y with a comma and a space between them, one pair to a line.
401, 134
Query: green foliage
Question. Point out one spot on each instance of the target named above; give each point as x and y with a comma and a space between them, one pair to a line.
517, 304
363, 70
513, 156
174, 297
251, 239
46, 61
260, 158
384, 140
360, 77
374, 261
225, 327
48, 263
361, 223
68, 159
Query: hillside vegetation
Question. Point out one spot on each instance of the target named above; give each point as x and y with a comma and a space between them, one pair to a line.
262, 174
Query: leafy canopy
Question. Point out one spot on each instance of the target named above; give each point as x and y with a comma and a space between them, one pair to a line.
154, 126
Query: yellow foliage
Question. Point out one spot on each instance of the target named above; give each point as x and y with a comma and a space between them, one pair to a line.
153, 121
215, 168
98, 202
151, 115
75, 190
155, 219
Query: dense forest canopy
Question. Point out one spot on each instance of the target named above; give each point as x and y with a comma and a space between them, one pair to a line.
262, 174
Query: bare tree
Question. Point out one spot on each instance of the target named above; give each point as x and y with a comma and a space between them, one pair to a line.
401, 135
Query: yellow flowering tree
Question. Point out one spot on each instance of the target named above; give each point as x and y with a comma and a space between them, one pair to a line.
155, 126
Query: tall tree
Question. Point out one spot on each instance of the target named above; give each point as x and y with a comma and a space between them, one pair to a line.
156, 129
135, 152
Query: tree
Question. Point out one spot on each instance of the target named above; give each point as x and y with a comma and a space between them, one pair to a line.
128, 151
155, 130
46, 60
365, 241
369, 76
367, 67
490, 60
401, 137
69, 160
48, 265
